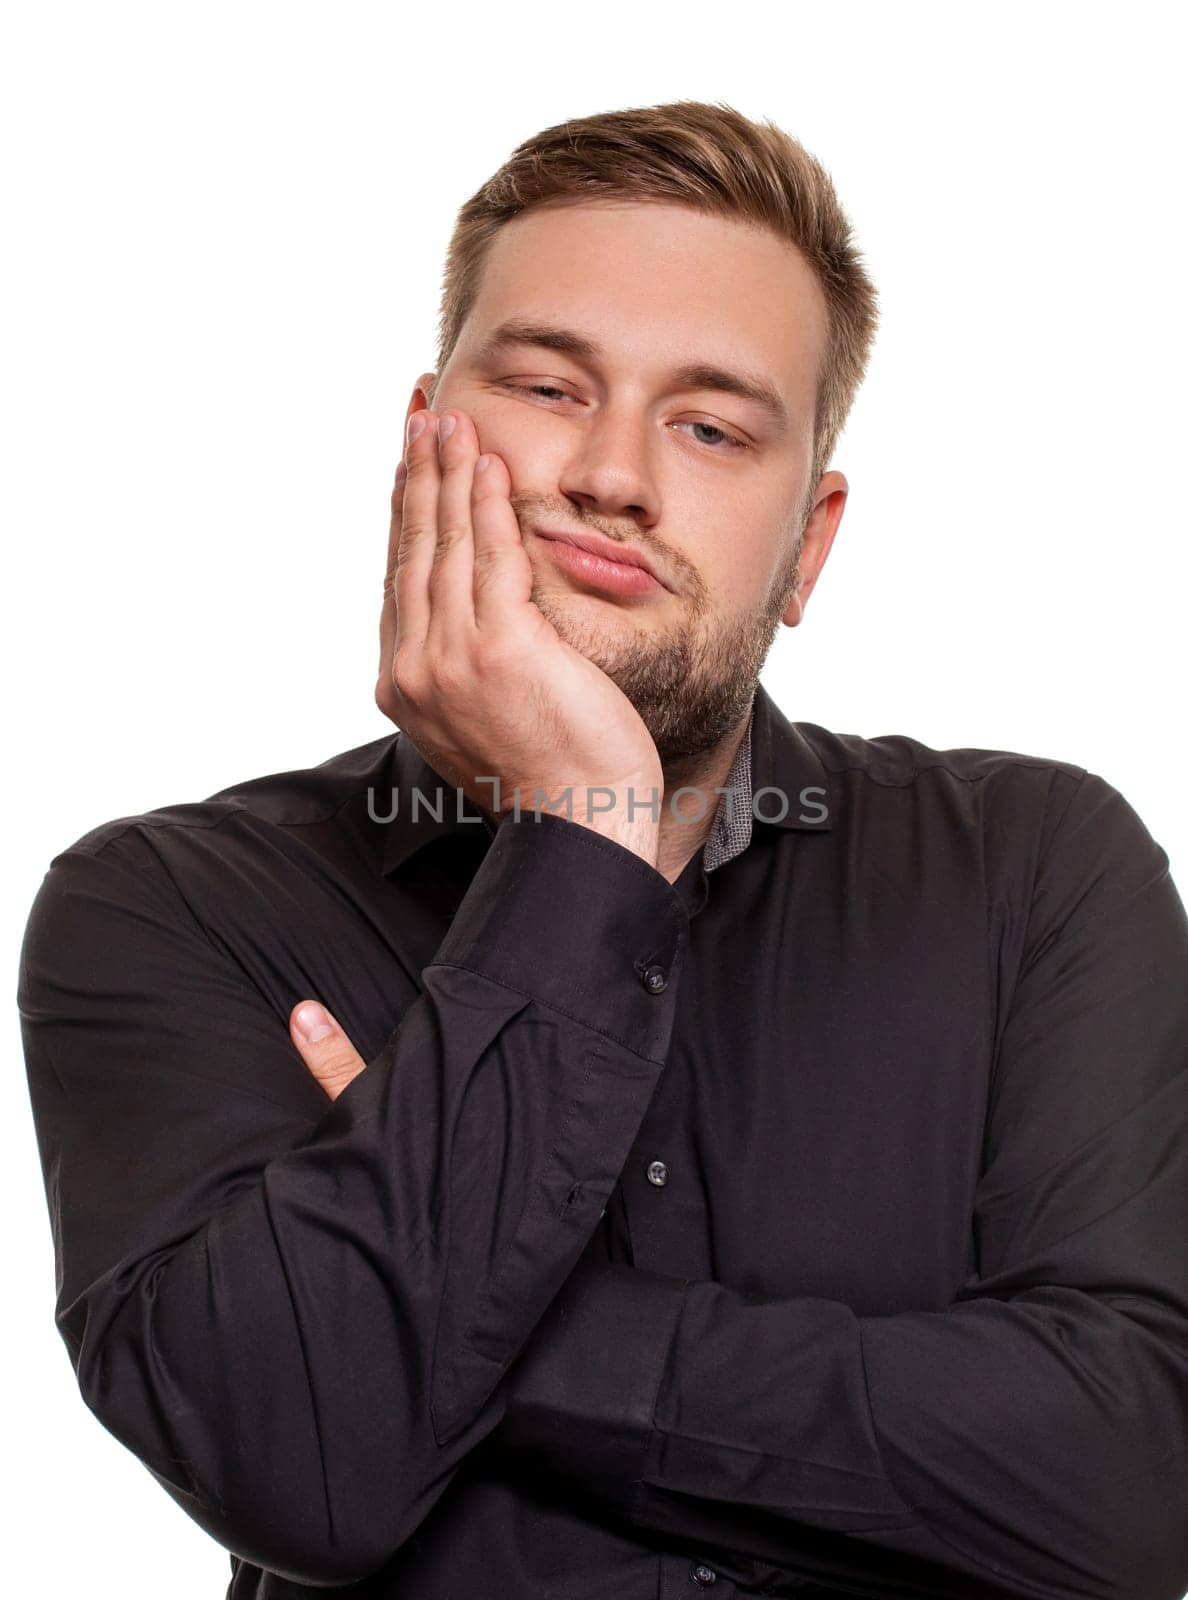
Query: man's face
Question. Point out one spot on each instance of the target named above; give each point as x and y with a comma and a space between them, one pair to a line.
708, 485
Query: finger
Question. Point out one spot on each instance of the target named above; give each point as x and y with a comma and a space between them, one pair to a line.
417, 538
387, 629
394, 534
502, 569
451, 582
387, 696
325, 1049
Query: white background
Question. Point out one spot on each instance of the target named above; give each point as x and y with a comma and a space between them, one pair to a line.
226, 226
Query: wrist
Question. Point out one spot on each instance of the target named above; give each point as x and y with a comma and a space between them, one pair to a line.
629, 815
643, 839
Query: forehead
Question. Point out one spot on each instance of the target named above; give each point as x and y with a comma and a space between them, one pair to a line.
658, 285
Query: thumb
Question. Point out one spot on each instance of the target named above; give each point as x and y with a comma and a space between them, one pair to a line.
324, 1047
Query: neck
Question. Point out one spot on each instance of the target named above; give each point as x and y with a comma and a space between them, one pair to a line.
682, 835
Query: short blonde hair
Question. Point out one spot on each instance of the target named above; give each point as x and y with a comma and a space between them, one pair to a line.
709, 157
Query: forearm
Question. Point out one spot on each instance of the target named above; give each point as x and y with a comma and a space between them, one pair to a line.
1029, 1438
301, 1327
1026, 1445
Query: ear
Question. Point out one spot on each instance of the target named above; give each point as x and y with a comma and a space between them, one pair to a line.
821, 525
422, 397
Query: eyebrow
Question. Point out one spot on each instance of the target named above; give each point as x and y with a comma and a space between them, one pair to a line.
692, 375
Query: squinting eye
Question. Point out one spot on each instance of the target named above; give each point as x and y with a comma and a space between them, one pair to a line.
538, 388
726, 441
731, 442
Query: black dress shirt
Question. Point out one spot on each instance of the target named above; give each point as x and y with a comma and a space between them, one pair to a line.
812, 1225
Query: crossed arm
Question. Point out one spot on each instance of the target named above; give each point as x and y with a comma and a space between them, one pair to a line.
1030, 1440
303, 1306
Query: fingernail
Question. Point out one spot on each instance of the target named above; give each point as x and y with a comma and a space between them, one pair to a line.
311, 1022
446, 426
416, 425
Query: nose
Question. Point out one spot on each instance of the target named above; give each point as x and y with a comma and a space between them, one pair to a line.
611, 470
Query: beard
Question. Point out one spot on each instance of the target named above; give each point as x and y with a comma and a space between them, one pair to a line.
693, 683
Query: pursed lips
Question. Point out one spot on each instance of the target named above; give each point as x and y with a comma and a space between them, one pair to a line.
605, 549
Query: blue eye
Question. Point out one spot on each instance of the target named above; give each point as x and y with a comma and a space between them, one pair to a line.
731, 443
726, 441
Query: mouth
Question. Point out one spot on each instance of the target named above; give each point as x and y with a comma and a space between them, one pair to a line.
601, 562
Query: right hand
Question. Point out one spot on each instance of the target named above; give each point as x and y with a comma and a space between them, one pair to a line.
480, 680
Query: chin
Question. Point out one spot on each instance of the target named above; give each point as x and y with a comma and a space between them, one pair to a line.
590, 628
574, 601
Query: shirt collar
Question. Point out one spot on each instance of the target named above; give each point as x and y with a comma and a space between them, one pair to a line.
778, 778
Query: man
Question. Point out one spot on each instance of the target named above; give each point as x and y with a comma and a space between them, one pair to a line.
783, 1196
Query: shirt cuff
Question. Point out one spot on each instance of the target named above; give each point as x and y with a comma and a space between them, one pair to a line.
581, 1398
579, 922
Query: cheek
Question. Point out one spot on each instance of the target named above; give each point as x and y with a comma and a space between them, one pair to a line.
520, 436
736, 548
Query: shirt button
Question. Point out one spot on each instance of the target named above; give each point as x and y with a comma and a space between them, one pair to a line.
702, 1574
657, 1173
655, 979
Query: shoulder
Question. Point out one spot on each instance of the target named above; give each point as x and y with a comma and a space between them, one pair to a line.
973, 780
1060, 833
1021, 806
296, 798
177, 875
898, 759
